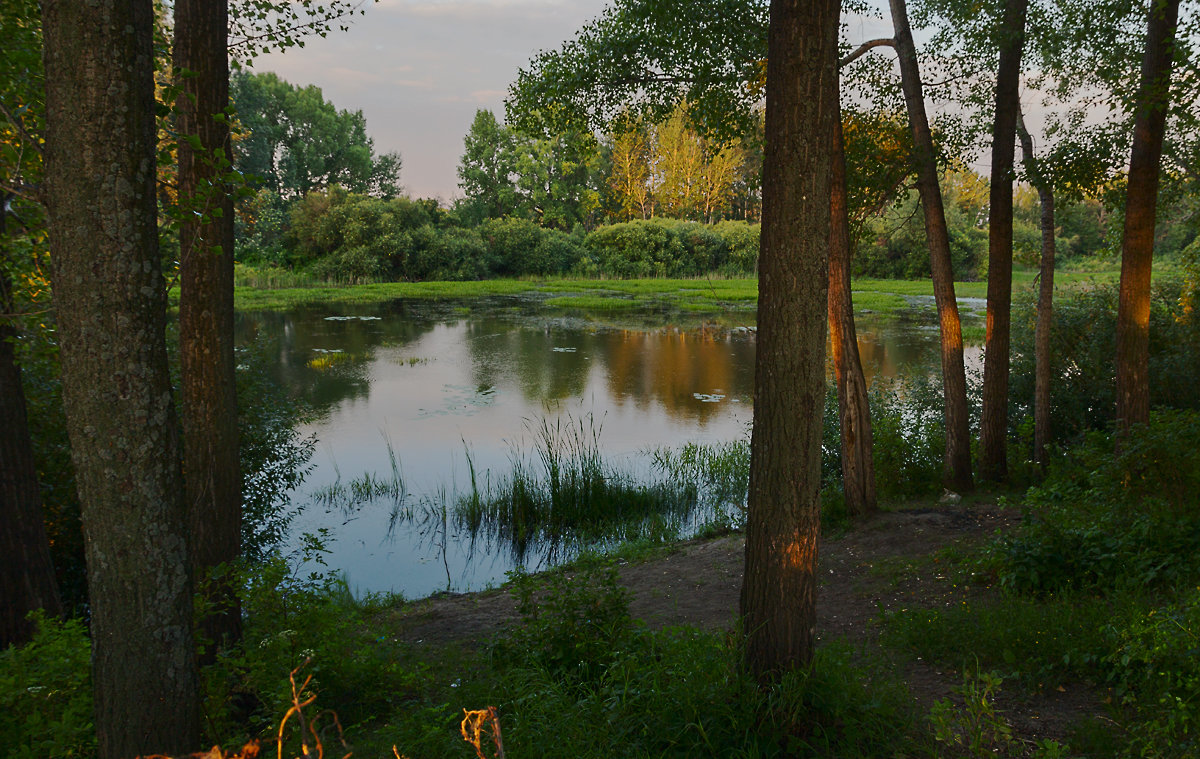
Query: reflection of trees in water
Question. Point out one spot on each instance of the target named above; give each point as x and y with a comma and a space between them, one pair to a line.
327, 361
888, 349
663, 367
643, 367
528, 357
670, 367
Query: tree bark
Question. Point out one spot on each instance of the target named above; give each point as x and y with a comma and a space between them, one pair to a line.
1045, 307
956, 465
111, 308
854, 411
27, 579
1141, 206
212, 476
993, 424
778, 600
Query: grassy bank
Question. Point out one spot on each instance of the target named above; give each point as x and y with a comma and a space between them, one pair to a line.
875, 296
270, 289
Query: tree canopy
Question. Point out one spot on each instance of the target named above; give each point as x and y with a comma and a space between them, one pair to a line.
296, 141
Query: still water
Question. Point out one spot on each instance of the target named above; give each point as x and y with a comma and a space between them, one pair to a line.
451, 389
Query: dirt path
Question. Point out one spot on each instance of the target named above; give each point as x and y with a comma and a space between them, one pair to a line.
699, 585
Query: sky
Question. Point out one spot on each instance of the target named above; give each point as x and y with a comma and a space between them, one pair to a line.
419, 69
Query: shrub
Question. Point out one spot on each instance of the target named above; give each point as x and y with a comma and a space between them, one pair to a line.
636, 249
573, 624
704, 250
1156, 667
514, 245
576, 662
296, 612
742, 238
46, 693
458, 255
560, 253
1083, 345
262, 223
274, 456
909, 434
1103, 519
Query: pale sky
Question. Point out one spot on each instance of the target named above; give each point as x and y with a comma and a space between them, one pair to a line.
419, 69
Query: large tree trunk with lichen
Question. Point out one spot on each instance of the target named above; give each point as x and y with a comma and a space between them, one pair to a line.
110, 302
1045, 307
956, 465
1141, 206
212, 477
779, 590
993, 423
27, 578
854, 410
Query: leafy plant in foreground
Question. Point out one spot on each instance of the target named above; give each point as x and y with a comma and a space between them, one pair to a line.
46, 693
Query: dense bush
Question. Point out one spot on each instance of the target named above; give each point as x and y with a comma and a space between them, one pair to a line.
261, 225
668, 248
637, 249
1083, 343
337, 236
908, 435
893, 246
1156, 668
1111, 519
355, 237
518, 247
46, 693
578, 669
1102, 578
742, 239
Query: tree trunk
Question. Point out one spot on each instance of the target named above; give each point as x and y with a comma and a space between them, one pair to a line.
854, 412
993, 424
26, 573
778, 601
956, 466
1137, 245
111, 308
212, 476
1045, 307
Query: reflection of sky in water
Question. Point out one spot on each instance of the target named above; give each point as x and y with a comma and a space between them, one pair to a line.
439, 386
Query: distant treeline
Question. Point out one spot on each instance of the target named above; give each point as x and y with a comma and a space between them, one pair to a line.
346, 237
341, 236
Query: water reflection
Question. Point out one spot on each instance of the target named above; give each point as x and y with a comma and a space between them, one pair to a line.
453, 387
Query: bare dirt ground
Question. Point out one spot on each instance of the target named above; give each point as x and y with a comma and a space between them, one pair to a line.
700, 583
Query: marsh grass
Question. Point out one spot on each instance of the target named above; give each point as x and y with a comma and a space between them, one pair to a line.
720, 472
366, 488
565, 497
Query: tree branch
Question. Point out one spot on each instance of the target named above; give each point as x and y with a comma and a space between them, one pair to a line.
864, 48
20, 126
246, 39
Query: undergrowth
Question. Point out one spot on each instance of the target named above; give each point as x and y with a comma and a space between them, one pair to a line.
1100, 585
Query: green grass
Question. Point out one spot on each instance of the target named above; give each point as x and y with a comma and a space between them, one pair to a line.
593, 302
598, 294
276, 289
1044, 642
877, 302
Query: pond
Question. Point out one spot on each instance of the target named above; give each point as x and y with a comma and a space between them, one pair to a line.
417, 400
